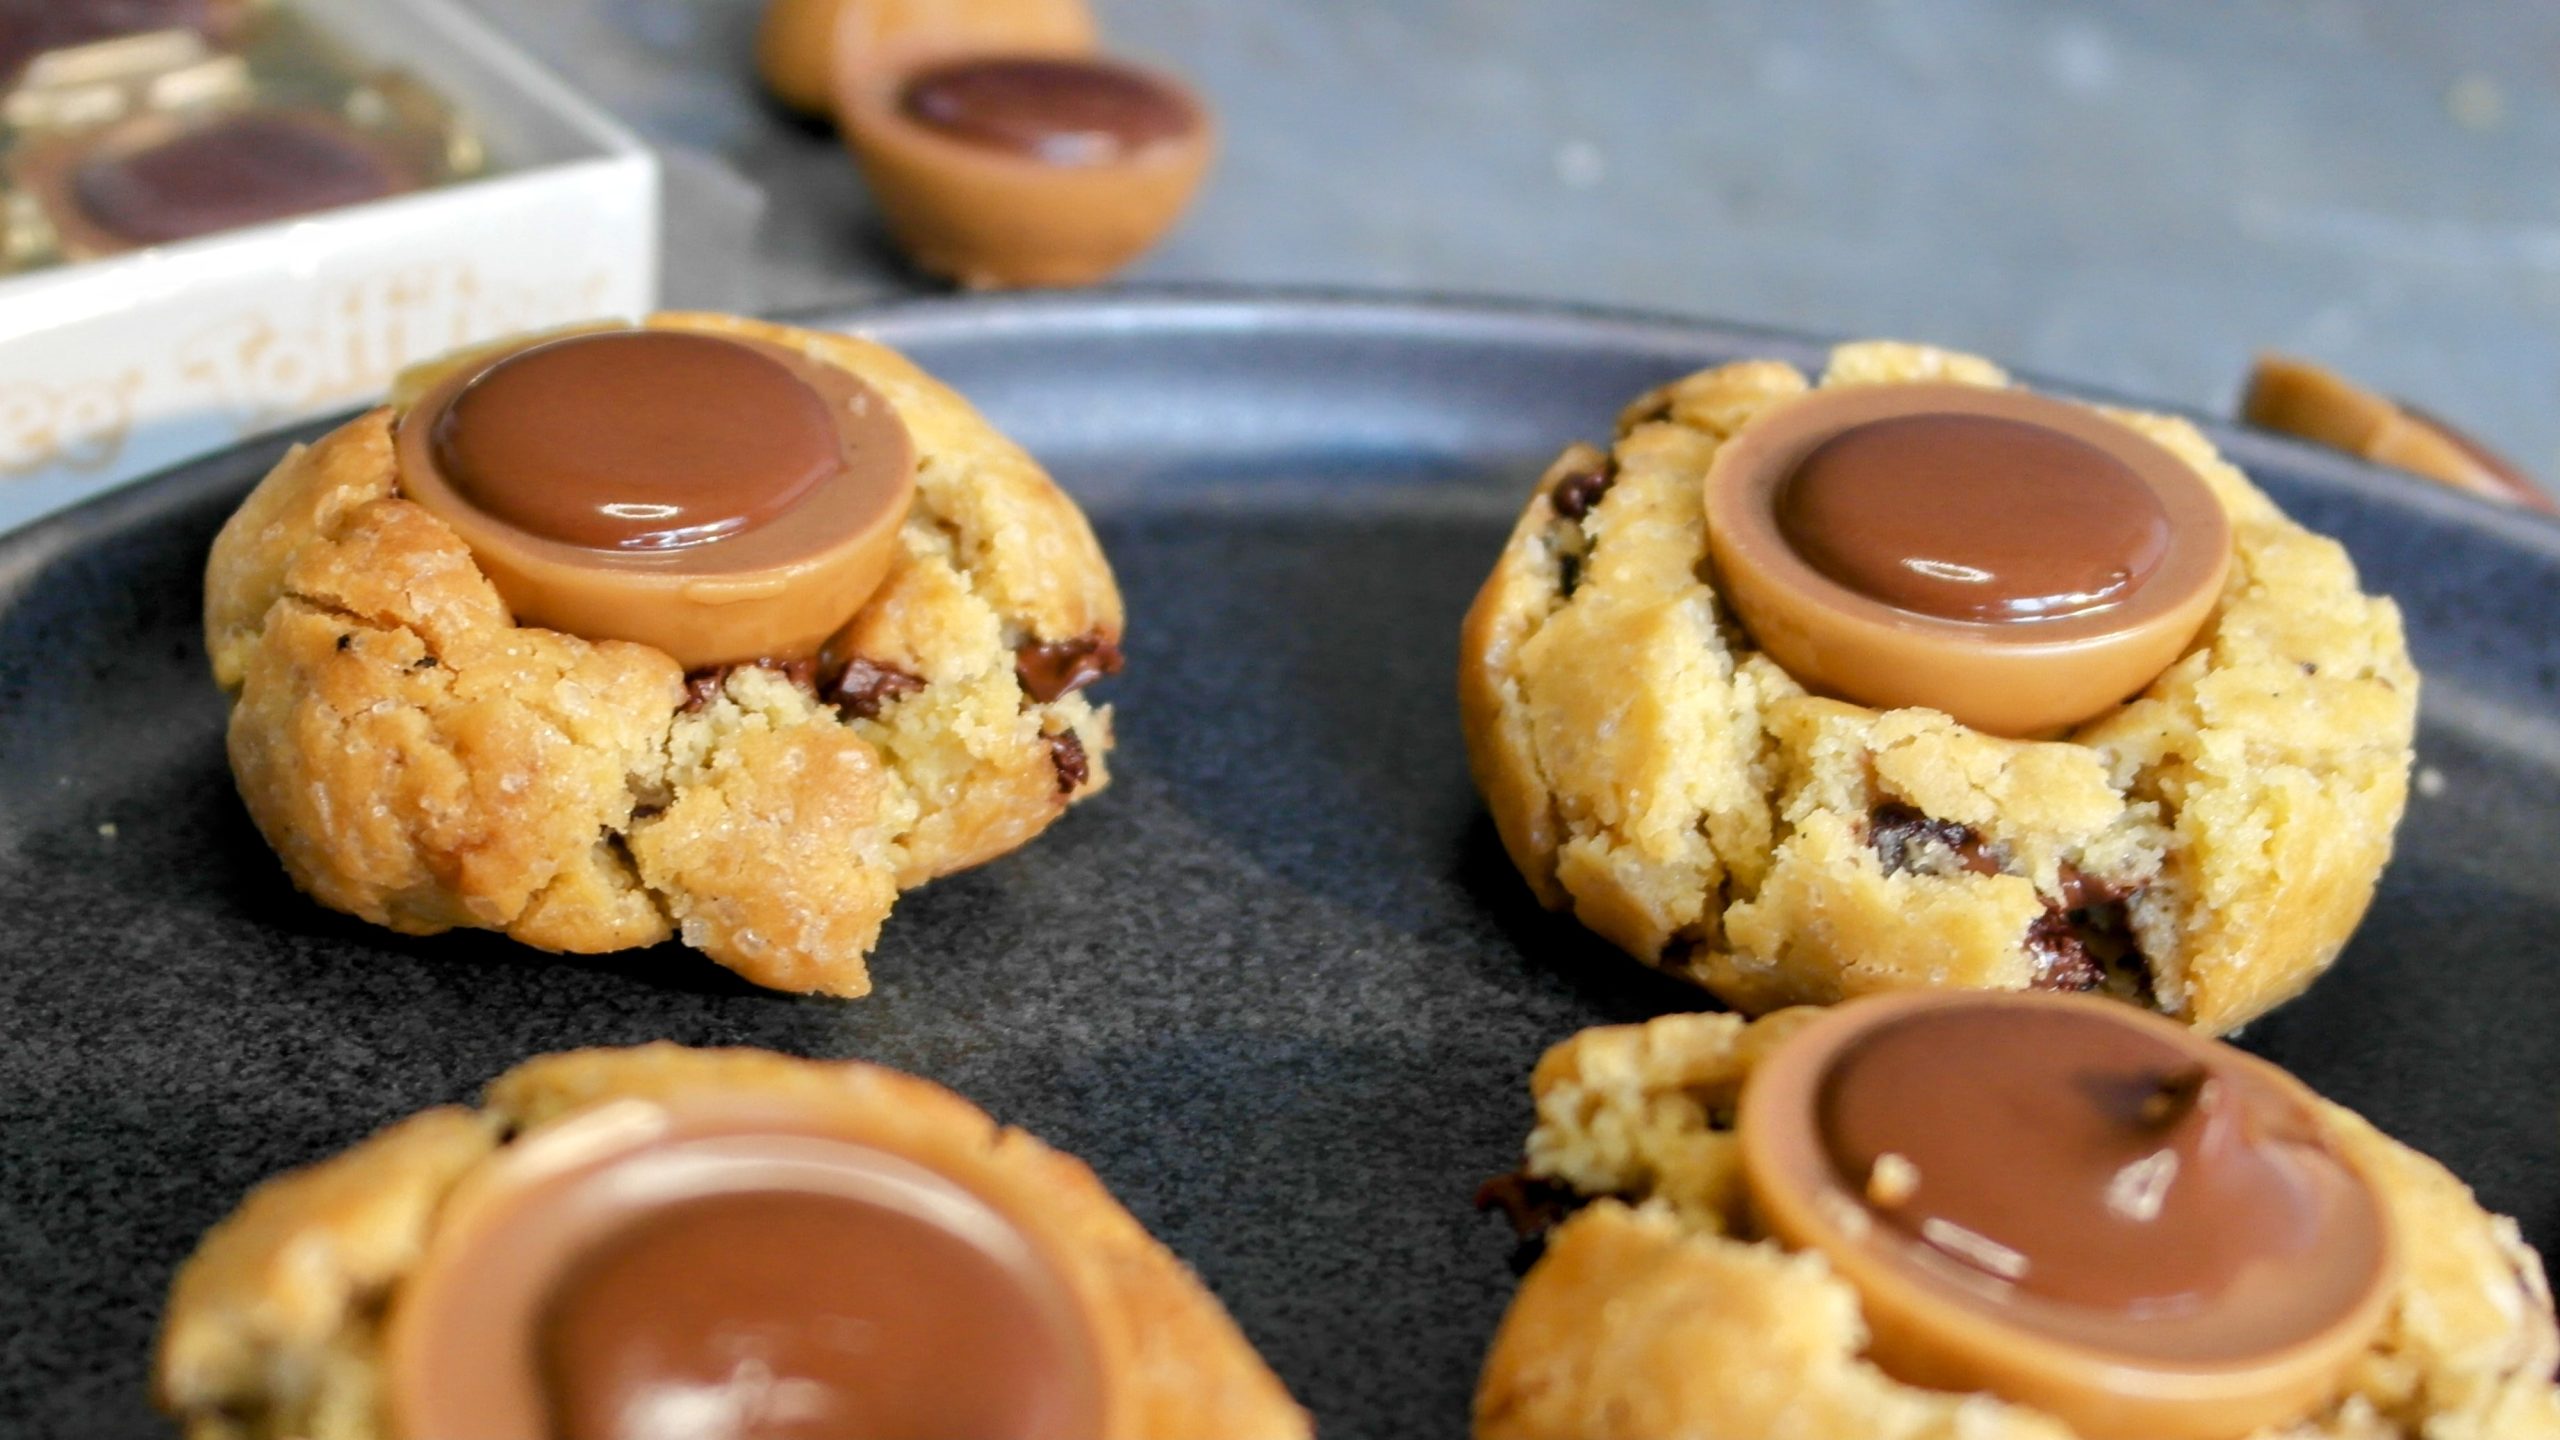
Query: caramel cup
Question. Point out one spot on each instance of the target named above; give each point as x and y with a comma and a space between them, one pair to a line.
2017, 677
725, 1252
63, 26
801, 42
758, 585
990, 215
2320, 405
159, 178
2188, 1369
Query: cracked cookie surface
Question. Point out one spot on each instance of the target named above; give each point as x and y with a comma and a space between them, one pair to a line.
2206, 848
1658, 1310
275, 1325
419, 760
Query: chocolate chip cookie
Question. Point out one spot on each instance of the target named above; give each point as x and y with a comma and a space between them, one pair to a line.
685, 710
1778, 834
663, 1241
1664, 1303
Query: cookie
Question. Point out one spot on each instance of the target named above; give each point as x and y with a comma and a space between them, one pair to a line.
1661, 1305
615, 1225
423, 755
2203, 848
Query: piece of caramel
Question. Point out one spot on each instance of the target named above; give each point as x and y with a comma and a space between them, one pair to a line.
2018, 562
2079, 1206
643, 1270
723, 499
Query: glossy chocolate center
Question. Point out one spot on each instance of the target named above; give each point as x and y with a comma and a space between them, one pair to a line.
28, 28
1058, 111
637, 440
2073, 1157
1973, 517
243, 170
783, 1316
636, 1275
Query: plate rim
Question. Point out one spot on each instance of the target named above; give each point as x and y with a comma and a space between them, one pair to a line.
1208, 308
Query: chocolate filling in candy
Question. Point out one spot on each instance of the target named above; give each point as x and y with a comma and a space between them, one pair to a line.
1016, 158
2079, 1206
2021, 563
2067, 1158
708, 1276
1053, 109
790, 1315
725, 499
1973, 517
640, 440
240, 170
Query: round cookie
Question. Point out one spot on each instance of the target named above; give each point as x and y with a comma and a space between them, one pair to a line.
420, 760
2204, 849
312, 1310
1658, 1308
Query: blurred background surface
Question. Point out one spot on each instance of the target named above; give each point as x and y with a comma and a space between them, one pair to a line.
2137, 196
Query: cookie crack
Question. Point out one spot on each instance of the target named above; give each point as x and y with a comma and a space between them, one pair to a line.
1013, 631
379, 624
618, 841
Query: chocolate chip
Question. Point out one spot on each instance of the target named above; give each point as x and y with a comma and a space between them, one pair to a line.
1052, 669
423, 662
2063, 961
703, 686
1575, 494
2082, 891
867, 686
1066, 754
2087, 941
346, 642
1898, 832
1533, 1206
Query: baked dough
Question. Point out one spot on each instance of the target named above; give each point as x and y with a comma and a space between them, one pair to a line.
1656, 1311
419, 760
274, 1326
2205, 849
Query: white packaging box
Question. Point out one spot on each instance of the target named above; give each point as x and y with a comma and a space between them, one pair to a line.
115, 368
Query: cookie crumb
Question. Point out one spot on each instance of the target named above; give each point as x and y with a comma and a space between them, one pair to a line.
1892, 1180
2430, 782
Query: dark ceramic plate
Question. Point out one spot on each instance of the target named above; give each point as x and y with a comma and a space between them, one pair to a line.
1279, 986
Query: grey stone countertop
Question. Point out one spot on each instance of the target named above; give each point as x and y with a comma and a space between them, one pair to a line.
2134, 196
